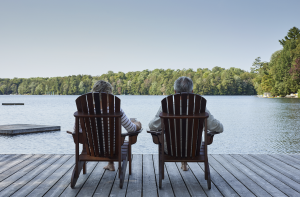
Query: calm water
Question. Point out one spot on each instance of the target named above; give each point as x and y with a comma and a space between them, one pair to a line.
251, 124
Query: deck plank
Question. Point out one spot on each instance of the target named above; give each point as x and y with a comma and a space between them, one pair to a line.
232, 175
297, 156
199, 175
45, 170
105, 186
135, 183
81, 180
269, 176
166, 188
12, 161
287, 160
20, 183
280, 166
254, 176
241, 177
149, 182
287, 181
178, 185
63, 182
234, 183
23, 171
116, 190
5, 158
18, 167
92, 182
191, 182
53, 178
219, 181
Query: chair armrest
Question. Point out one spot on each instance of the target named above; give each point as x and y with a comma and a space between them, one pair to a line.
156, 132
132, 133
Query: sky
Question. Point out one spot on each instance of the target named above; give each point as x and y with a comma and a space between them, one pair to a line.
71, 37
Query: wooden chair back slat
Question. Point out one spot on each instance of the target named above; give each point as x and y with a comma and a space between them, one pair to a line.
82, 124
195, 137
111, 124
102, 135
105, 123
177, 130
93, 124
183, 123
183, 138
99, 123
166, 125
87, 126
171, 125
203, 105
199, 140
190, 124
117, 126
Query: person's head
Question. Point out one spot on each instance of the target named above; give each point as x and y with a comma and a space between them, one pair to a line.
102, 86
183, 84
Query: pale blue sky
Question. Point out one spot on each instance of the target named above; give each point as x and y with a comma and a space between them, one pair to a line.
61, 38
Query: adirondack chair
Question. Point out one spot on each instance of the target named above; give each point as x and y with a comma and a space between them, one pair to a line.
182, 119
99, 144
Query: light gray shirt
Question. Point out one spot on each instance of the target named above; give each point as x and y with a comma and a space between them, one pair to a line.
214, 126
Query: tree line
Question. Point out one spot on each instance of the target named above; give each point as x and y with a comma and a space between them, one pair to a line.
281, 75
218, 81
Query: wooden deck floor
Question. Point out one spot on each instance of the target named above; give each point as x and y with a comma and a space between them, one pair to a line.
232, 175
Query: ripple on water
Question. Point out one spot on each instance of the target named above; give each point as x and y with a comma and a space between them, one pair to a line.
252, 125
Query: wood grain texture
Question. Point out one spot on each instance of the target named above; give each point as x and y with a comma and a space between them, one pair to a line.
228, 177
198, 174
245, 180
46, 169
149, 182
286, 180
166, 189
176, 180
254, 176
232, 175
191, 182
135, 179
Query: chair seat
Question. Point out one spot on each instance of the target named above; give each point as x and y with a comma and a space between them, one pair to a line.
124, 148
198, 158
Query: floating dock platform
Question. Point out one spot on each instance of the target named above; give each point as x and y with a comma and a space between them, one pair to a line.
15, 129
12, 103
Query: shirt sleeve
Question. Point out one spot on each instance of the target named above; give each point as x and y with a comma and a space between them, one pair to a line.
214, 126
155, 123
127, 124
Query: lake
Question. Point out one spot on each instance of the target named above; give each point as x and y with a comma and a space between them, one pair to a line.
251, 124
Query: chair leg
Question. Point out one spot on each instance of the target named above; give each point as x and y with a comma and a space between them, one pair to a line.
122, 171
84, 167
76, 172
129, 158
207, 175
206, 168
74, 177
160, 166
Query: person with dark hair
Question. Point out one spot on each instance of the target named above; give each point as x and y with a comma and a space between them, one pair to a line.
185, 84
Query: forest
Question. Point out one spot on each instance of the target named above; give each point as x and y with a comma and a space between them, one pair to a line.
280, 76
218, 81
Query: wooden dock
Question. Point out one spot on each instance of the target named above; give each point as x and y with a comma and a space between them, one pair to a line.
16, 129
232, 175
